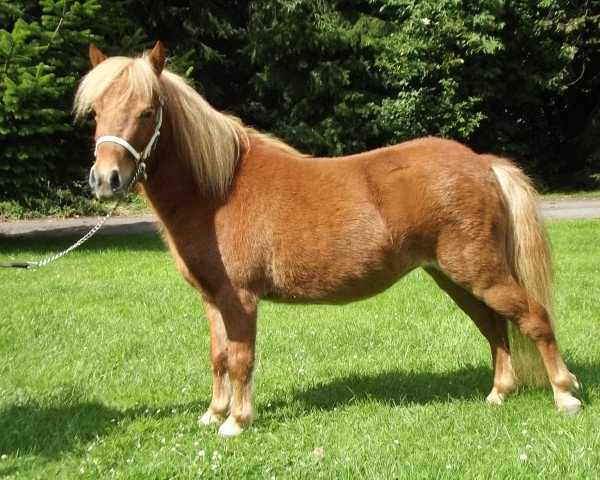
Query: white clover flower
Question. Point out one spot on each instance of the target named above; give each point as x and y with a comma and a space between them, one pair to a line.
319, 452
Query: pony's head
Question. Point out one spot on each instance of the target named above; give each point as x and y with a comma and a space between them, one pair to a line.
128, 96
125, 96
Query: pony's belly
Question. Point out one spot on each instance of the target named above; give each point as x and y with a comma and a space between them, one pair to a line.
334, 287
351, 257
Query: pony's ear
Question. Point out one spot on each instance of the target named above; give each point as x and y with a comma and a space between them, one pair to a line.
96, 56
157, 58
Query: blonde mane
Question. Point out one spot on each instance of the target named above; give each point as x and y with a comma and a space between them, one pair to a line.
209, 142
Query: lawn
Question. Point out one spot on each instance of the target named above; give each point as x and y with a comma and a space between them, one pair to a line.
104, 372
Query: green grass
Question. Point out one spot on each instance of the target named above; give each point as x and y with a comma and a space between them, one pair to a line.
571, 194
104, 372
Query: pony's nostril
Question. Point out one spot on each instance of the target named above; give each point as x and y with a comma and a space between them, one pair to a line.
115, 181
93, 179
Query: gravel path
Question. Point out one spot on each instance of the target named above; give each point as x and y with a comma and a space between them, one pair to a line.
553, 209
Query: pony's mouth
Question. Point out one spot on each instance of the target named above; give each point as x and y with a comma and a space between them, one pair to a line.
105, 191
105, 194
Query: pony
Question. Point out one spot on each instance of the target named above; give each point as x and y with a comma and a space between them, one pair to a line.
247, 217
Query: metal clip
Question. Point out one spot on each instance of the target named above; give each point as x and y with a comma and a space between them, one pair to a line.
142, 174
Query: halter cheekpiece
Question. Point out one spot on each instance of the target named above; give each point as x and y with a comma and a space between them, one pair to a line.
140, 157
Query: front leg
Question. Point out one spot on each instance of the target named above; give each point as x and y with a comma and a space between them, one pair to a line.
239, 310
233, 337
221, 389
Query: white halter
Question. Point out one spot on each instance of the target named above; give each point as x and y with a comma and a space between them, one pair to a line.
139, 156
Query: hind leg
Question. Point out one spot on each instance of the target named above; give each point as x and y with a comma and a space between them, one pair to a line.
508, 298
490, 280
493, 328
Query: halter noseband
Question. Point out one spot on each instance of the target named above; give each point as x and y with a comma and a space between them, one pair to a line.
140, 157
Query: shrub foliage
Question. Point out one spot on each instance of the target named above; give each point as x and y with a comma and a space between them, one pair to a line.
515, 78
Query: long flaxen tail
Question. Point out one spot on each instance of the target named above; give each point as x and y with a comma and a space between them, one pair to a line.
530, 259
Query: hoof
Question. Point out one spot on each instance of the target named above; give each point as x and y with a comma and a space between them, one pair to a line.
210, 418
568, 404
231, 428
495, 398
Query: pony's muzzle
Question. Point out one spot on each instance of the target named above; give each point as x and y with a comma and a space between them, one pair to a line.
106, 184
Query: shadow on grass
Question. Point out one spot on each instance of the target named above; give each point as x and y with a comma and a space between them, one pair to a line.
411, 388
587, 374
394, 388
50, 431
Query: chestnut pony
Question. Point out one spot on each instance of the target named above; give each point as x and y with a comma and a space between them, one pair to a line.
247, 217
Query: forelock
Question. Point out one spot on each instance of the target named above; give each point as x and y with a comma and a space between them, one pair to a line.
130, 77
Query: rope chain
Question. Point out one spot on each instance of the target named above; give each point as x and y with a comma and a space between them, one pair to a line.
79, 242
140, 172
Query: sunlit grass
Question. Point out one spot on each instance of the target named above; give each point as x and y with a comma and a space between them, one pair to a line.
104, 372
572, 194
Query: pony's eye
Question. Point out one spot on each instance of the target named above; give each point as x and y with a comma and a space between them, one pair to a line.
147, 113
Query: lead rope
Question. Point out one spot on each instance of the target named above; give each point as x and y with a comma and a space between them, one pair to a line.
140, 172
45, 261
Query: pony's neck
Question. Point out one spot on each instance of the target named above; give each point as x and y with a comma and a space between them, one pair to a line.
170, 185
